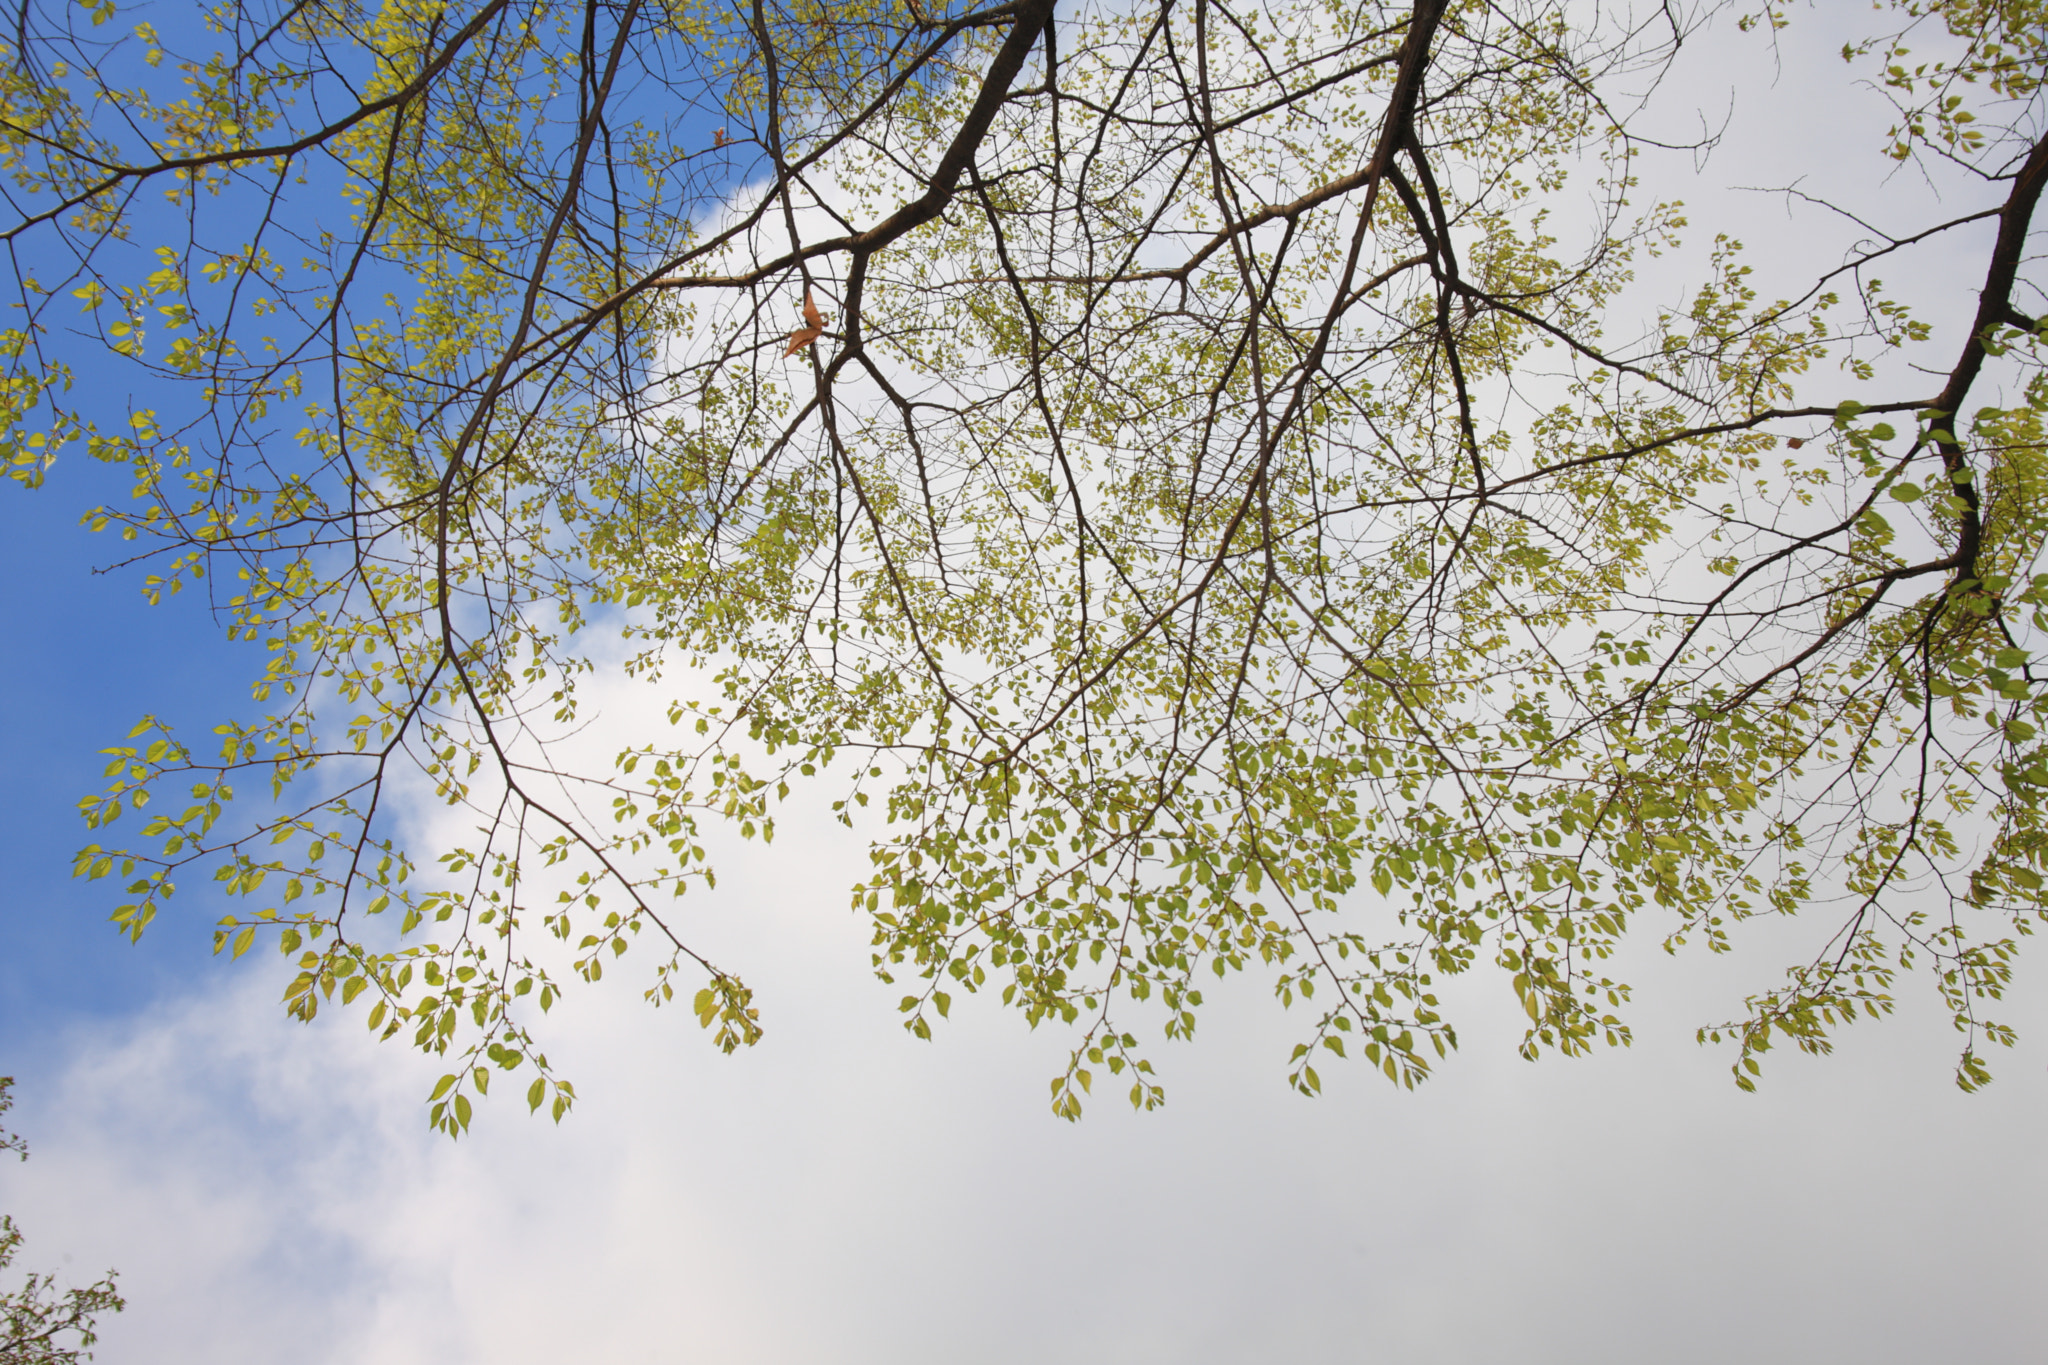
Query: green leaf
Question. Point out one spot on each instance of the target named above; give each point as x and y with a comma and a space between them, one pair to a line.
1142, 569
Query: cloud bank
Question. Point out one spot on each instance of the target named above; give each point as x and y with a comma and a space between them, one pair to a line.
844, 1193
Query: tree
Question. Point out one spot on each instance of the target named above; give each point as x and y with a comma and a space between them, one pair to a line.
1201, 496
38, 1320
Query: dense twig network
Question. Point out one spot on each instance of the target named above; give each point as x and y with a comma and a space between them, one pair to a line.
1180, 455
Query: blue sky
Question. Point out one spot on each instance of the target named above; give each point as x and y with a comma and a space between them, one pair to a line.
845, 1194
85, 658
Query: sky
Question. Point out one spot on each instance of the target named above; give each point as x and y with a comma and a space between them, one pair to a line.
844, 1193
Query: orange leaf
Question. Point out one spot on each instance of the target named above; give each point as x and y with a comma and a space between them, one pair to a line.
814, 327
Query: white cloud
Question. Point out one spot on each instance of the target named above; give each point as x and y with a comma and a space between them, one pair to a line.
844, 1193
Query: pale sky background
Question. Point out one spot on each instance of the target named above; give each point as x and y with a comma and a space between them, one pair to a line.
843, 1193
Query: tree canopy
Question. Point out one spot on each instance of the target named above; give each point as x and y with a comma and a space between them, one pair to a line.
1207, 472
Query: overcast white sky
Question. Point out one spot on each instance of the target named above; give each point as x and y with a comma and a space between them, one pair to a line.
843, 1193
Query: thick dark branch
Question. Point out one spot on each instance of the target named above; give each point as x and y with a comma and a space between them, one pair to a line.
1994, 308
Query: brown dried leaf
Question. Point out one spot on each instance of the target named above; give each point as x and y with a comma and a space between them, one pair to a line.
813, 329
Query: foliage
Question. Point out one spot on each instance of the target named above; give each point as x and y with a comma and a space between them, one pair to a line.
1203, 505
38, 1320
